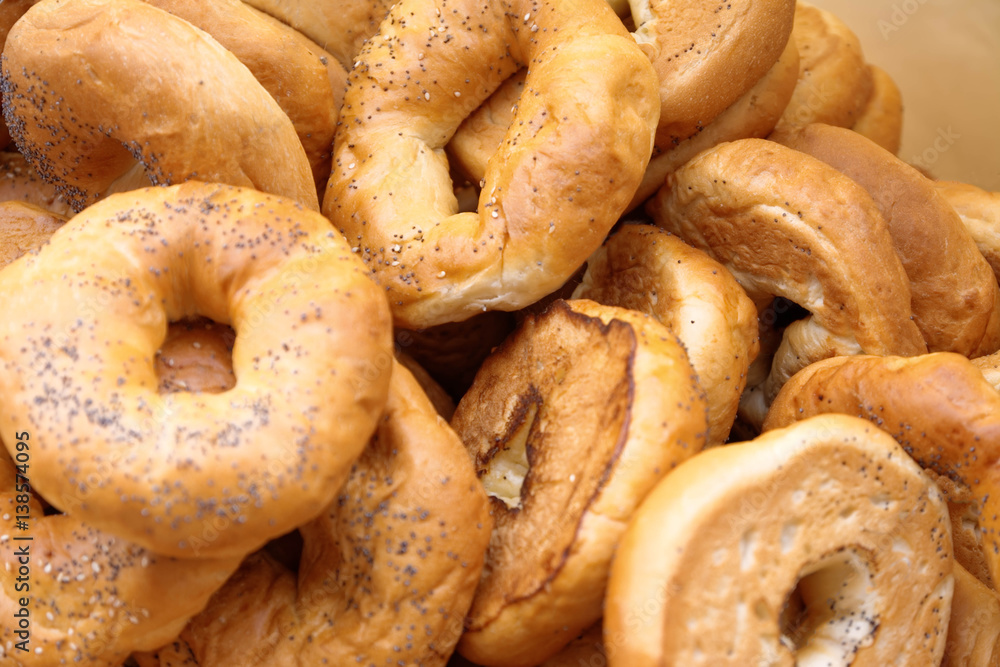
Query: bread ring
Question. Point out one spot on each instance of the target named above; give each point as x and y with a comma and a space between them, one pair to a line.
304, 80
646, 269
570, 423
24, 227
881, 120
786, 224
752, 115
974, 627
387, 571
584, 130
341, 28
693, 46
19, 182
259, 459
835, 83
93, 598
818, 544
83, 118
955, 298
937, 406
980, 213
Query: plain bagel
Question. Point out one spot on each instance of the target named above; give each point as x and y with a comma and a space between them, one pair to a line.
220, 474
572, 158
570, 422
818, 544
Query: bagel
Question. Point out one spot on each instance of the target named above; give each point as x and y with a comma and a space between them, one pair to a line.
341, 28
646, 269
752, 115
92, 598
302, 78
10, 12
24, 227
387, 571
259, 459
818, 544
938, 406
569, 422
980, 213
881, 119
974, 627
989, 366
693, 47
84, 107
584, 129
834, 83
955, 298
19, 182
786, 224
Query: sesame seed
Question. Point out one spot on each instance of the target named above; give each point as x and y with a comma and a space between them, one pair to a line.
442, 274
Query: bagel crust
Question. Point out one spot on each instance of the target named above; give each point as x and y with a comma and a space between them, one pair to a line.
218, 474
818, 544
572, 158
95, 89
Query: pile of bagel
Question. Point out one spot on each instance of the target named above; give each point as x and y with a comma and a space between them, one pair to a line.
509, 334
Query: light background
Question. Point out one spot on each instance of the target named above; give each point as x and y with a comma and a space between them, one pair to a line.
945, 57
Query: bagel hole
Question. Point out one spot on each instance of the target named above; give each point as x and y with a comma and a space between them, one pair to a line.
196, 356
508, 463
831, 613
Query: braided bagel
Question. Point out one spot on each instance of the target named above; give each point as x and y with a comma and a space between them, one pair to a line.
881, 119
834, 83
646, 269
570, 422
387, 571
818, 544
259, 459
955, 298
584, 129
84, 108
93, 598
786, 224
938, 406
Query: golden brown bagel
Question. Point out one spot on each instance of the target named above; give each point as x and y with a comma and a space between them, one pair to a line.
835, 83
84, 108
436, 394
980, 213
19, 182
938, 406
570, 422
196, 355
786, 224
341, 28
24, 227
881, 119
955, 298
175, 654
572, 158
92, 598
693, 47
974, 627
296, 72
646, 269
220, 474
818, 544
387, 571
